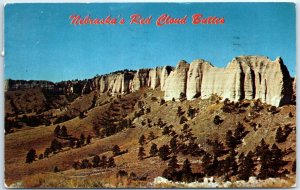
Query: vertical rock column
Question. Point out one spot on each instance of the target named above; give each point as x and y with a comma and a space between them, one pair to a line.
175, 85
194, 78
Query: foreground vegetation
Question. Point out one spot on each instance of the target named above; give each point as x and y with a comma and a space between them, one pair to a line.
130, 140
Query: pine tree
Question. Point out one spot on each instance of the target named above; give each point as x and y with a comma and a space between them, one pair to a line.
294, 167
179, 111
265, 158
263, 147
47, 152
88, 139
230, 140
141, 153
153, 150
160, 123
76, 165
63, 131
166, 131
55, 145
111, 162
271, 162
209, 164
217, 120
31, 155
185, 128
96, 161
279, 135
191, 112
41, 156
133, 176
78, 144
71, 143
218, 148
194, 149
116, 150
277, 161
81, 115
233, 163
206, 163
164, 152
247, 167
57, 130
226, 168
240, 133
85, 164
56, 169
170, 174
187, 171
151, 136
173, 144
142, 140
173, 162
183, 120
82, 138
103, 161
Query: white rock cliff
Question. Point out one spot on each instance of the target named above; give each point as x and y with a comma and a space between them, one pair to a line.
245, 77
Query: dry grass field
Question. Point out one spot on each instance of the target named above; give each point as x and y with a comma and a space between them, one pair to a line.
40, 173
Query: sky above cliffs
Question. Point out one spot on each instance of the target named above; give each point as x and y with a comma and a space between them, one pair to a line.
42, 44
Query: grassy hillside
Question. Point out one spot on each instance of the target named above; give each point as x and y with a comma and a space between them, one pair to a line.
122, 120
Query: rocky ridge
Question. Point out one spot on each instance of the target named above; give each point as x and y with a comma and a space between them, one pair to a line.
245, 77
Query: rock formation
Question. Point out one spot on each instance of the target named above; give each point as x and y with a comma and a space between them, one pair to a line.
116, 83
294, 90
175, 84
87, 87
245, 77
194, 79
154, 77
140, 80
102, 84
166, 70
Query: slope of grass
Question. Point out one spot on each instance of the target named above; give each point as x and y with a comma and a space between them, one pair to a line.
17, 144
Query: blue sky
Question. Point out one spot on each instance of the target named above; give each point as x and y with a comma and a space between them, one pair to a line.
41, 44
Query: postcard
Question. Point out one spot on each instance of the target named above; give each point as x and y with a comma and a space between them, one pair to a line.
150, 95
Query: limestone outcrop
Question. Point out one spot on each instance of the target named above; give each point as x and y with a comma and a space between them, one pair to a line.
166, 70
140, 80
267, 80
294, 89
175, 84
154, 77
87, 87
245, 77
116, 83
195, 76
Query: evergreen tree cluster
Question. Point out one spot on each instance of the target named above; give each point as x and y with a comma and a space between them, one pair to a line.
60, 131
80, 142
131, 176
112, 121
222, 160
31, 156
172, 172
97, 162
56, 146
271, 161
183, 143
232, 107
117, 151
282, 134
